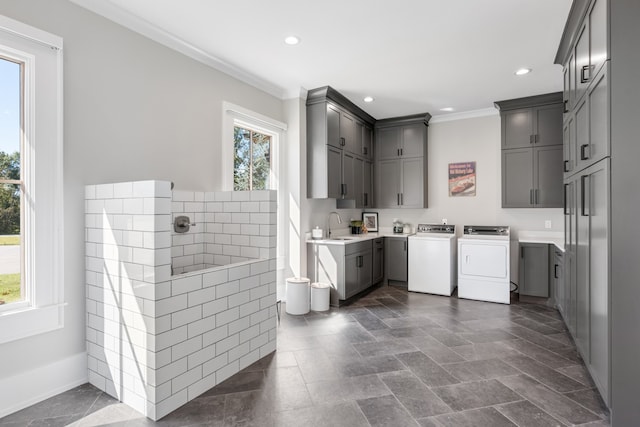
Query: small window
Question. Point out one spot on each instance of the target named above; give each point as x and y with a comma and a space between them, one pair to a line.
252, 159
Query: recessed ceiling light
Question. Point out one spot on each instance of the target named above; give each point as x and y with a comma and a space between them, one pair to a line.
523, 71
447, 109
368, 99
292, 40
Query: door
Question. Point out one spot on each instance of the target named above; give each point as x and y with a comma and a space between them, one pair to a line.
388, 184
388, 143
367, 181
413, 140
582, 266
581, 140
548, 121
378, 260
547, 165
367, 142
484, 260
583, 69
365, 270
348, 178
598, 31
534, 270
333, 126
351, 281
568, 77
598, 99
517, 178
347, 133
358, 183
357, 138
570, 271
396, 259
517, 128
334, 172
412, 184
568, 145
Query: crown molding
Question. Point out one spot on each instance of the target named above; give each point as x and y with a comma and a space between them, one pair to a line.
134, 23
484, 112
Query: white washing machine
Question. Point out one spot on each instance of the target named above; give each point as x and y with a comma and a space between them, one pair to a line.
484, 264
432, 259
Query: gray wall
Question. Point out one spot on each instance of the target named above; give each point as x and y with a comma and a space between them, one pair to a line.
133, 110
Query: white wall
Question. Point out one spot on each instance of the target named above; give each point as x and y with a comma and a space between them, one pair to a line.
133, 110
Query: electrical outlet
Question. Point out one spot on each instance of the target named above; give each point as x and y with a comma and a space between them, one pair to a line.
547, 224
444, 221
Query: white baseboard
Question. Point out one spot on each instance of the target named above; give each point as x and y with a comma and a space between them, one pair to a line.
25, 389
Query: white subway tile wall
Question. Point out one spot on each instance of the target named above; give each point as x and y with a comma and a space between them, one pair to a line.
157, 340
227, 225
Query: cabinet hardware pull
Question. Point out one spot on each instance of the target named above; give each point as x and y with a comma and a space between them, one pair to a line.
584, 69
343, 189
566, 108
584, 203
584, 152
398, 152
522, 252
342, 142
402, 152
530, 139
566, 188
555, 271
566, 166
398, 197
366, 199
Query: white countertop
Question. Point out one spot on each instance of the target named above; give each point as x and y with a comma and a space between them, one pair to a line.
549, 237
353, 238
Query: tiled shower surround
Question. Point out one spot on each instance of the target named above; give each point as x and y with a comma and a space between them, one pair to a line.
156, 340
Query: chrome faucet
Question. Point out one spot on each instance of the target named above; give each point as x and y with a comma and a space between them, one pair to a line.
329, 222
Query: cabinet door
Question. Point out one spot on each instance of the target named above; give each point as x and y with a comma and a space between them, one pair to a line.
378, 260
351, 270
347, 133
581, 140
348, 178
534, 270
387, 184
388, 143
598, 99
367, 184
517, 178
570, 271
582, 62
367, 142
333, 126
357, 138
413, 140
548, 124
412, 183
547, 165
597, 202
358, 183
517, 128
365, 270
598, 32
568, 146
582, 267
334, 172
558, 279
396, 259
566, 93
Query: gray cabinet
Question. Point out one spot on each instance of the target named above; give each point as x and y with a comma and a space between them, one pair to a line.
362, 180
533, 270
532, 155
395, 260
338, 133
556, 277
401, 159
348, 268
378, 261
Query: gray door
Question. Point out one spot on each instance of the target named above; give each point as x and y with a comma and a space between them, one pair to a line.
582, 135
413, 140
351, 281
598, 211
599, 117
566, 94
387, 184
378, 260
534, 270
347, 132
358, 181
582, 266
582, 62
334, 172
517, 178
396, 258
357, 137
367, 142
548, 176
568, 145
366, 269
367, 181
517, 128
333, 126
387, 143
348, 178
412, 184
598, 32
548, 124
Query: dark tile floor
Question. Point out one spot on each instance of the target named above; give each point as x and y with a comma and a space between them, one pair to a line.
390, 359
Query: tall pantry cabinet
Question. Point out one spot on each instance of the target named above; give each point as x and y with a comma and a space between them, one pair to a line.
601, 296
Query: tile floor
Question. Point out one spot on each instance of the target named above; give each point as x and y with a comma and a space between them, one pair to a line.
390, 359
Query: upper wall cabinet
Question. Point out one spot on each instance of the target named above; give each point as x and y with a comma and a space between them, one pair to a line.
338, 148
532, 151
401, 162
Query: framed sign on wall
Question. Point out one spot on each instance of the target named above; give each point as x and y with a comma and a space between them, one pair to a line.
462, 179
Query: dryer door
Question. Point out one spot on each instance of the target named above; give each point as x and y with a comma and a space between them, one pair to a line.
484, 259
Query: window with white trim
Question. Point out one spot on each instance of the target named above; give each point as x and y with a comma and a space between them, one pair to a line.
31, 202
252, 158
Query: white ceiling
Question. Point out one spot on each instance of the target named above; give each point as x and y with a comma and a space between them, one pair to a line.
412, 56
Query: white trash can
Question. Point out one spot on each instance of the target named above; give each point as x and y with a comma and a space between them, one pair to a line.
297, 295
320, 293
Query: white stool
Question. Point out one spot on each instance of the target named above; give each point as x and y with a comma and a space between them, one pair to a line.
320, 296
297, 295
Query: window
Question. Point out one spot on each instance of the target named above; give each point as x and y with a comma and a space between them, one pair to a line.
251, 165
31, 197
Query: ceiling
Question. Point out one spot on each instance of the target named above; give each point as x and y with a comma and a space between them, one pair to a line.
412, 56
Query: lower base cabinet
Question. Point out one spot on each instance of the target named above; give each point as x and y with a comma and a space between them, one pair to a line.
395, 260
534, 270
